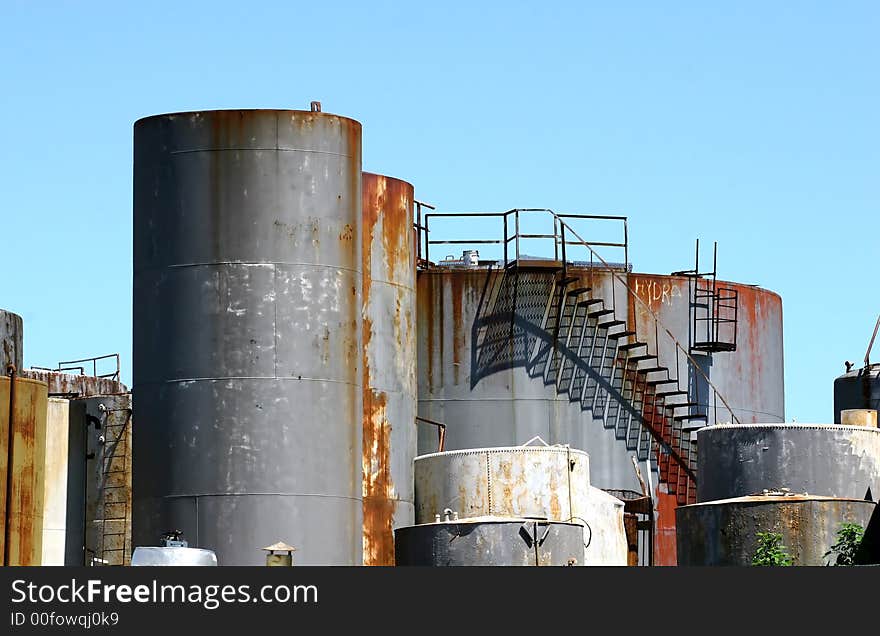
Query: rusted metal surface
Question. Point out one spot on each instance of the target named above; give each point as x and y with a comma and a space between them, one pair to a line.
11, 335
247, 332
725, 532
75, 385
23, 509
523, 481
491, 541
859, 417
828, 460
55, 482
108, 494
389, 364
473, 371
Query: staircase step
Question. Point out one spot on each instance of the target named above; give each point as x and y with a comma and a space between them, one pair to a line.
611, 323
567, 280
599, 312
578, 290
653, 369
590, 301
678, 405
693, 416
637, 359
621, 334
632, 345
659, 382
664, 394
691, 426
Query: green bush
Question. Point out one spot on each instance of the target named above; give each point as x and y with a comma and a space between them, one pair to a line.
769, 550
848, 539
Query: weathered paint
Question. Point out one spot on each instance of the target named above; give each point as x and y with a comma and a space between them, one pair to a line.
491, 541
55, 481
25, 511
108, 495
859, 417
491, 400
389, 364
75, 385
523, 481
11, 336
725, 532
820, 459
247, 335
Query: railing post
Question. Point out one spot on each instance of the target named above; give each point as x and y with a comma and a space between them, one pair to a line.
516, 219
427, 240
505, 238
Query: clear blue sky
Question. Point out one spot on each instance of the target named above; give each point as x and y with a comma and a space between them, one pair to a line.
751, 123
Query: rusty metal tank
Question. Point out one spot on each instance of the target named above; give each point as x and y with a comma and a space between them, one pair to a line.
819, 459
725, 532
23, 513
389, 363
479, 325
549, 482
248, 332
857, 389
11, 335
491, 541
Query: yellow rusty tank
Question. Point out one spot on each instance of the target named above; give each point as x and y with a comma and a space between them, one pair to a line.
24, 514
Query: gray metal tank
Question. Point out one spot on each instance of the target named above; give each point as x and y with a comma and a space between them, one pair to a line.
389, 435
857, 389
248, 333
11, 335
490, 541
725, 532
819, 459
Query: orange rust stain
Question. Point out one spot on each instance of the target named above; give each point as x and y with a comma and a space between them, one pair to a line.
664, 530
457, 328
378, 490
25, 510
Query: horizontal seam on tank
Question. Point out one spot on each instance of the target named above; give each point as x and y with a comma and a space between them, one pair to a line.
260, 494
261, 149
247, 377
256, 263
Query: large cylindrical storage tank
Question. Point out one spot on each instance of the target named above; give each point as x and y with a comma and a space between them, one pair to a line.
819, 459
725, 532
248, 333
552, 483
11, 334
490, 541
857, 389
481, 371
389, 340
24, 511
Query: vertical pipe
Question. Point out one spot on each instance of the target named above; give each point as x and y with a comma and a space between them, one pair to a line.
10, 465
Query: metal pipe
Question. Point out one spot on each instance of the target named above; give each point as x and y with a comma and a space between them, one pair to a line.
871, 344
441, 431
10, 463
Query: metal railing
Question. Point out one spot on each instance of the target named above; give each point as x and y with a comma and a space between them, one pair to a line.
66, 366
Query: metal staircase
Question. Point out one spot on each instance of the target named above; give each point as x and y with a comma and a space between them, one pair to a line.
580, 345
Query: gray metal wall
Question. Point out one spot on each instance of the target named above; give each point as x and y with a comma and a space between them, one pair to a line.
389, 442
725, 532
857, 389
833, 461
11, 335
486, 397
248, 333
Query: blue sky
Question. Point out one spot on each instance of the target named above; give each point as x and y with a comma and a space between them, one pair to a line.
751, 123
